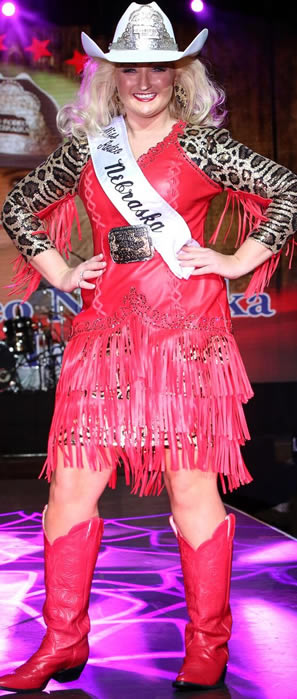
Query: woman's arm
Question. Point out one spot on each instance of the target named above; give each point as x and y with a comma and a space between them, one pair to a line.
247, 175
39, 194
53, 182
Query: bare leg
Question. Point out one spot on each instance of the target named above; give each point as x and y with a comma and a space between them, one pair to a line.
74, 495
196, 505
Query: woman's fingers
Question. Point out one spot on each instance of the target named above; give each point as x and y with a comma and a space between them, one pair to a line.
203, 270
90, 269
194, 258
208, 261
93, 262
190, 252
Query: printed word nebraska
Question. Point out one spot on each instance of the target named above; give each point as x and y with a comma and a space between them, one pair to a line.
124, 188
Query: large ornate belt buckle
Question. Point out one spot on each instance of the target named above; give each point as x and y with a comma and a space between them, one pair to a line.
130, 244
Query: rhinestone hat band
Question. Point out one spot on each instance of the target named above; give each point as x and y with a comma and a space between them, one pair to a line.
145, 31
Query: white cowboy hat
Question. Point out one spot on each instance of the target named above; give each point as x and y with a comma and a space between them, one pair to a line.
143, 35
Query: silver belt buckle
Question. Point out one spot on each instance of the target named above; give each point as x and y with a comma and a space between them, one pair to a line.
130, 244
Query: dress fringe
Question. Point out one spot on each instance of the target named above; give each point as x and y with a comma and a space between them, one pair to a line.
142, 391
251, 212
262, 275
58, 218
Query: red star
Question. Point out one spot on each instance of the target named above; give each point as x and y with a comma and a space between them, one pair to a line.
78, 61
38, 48
2, 45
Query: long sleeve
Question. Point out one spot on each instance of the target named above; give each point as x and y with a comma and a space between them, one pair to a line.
241, 171
265, 190
53, 182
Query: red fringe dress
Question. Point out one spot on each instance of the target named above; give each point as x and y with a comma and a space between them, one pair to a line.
152, 362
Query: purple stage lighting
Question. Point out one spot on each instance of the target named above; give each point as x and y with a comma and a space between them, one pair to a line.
8, 9
197, 5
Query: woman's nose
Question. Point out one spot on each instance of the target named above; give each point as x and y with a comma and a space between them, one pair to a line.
144, 78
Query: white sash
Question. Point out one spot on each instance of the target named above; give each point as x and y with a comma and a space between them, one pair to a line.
135, 198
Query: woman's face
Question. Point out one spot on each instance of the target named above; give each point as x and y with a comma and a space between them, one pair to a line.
145, 89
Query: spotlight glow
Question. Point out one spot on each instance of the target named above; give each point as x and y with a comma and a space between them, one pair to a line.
8, 9
197, 5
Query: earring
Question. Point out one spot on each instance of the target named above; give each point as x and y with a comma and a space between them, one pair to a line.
180, 96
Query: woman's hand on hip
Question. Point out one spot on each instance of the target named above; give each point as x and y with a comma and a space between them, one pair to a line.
81, 276
208, 261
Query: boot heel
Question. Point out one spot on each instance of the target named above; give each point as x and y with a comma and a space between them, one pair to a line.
69, 675
186, 686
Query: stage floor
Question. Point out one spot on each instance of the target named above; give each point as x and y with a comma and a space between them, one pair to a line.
137, 605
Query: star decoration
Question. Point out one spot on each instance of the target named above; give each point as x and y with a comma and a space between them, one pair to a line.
38, 48
78, 61
2, 45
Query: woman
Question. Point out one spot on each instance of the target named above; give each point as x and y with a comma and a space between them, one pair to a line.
151, 375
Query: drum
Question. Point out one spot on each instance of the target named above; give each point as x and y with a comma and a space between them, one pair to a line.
20, 335
7, 366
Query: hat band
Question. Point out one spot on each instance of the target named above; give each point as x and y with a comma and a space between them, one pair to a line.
145, 45
142, 43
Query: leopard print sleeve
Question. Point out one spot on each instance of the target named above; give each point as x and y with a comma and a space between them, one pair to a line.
48, 184
235, 166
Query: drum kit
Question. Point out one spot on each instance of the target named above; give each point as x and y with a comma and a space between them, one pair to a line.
32, 351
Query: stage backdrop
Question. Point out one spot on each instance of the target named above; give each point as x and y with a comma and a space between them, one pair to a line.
257, 66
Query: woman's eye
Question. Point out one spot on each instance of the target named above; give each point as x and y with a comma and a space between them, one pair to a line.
129, 70
160, 69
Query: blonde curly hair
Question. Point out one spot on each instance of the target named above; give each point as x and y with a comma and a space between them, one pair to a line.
197, 98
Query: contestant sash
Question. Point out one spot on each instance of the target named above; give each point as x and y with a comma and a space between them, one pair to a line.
131, 193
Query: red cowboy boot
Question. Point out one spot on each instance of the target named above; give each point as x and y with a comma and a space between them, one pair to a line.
207, 573
69, 567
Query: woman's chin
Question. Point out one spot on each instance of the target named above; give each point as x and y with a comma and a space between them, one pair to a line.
146, 111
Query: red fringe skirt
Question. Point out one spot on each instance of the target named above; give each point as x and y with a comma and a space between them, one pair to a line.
134, 390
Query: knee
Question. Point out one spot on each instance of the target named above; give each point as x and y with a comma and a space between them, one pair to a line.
64, 488
180, 487
72, 486
186, 488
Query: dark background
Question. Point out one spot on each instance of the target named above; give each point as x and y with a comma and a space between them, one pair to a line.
102, 16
